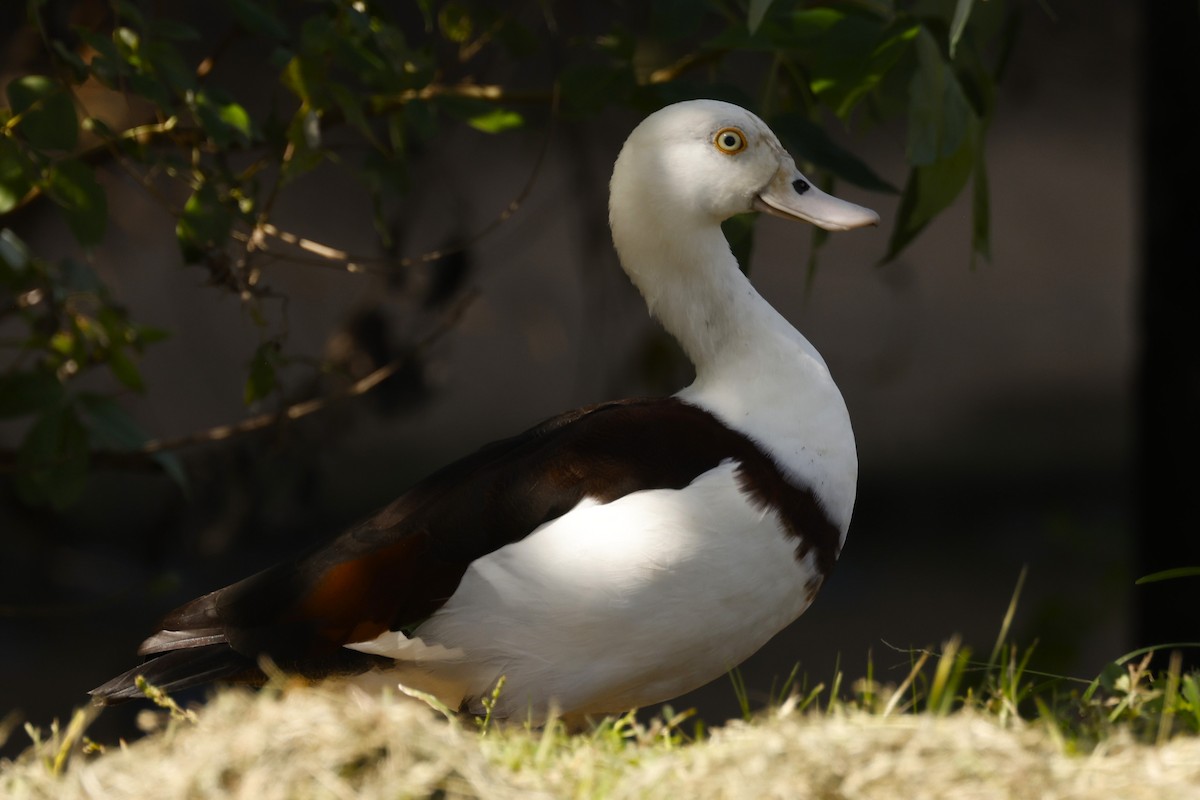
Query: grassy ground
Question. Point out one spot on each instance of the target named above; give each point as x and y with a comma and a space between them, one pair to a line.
954, 728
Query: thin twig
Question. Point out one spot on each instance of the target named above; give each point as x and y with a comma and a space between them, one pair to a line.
685, 64
475, 91
308, 407
137, 459
328, 256
188, 136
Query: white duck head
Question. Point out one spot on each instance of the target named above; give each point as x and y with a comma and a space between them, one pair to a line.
708, 160
685, 169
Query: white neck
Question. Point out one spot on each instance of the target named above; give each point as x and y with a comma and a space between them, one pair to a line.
753, 369
692, 285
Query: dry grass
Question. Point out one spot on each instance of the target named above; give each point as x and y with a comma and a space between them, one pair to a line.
333, 743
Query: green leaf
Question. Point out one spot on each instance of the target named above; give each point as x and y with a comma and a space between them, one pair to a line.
304, 133
810, 25
255, 17
110, 426
381, 173
97, 126
223, 120
1169, 574
170, 68
148, 334
1009, 31
204, 225
938, 111
48, 118
52, 461
107, 64
235, 117
454, 20
318, 35
754, 16
352, 109
809, 141
419, 123
426, 7
174, 470
838, 68
981, 236
14, 252
856, 55
14, 175
174, 30
496, 121
670, 20
23, 393
152, 89
263, 378
129, 11
76, 276
73, 186
308, 76
295, 79
124, 369
977, 85
361, 60
65, 343
69, 58
930, 189
958, 23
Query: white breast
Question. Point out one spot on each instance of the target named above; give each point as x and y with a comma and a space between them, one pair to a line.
612, 606
779, 393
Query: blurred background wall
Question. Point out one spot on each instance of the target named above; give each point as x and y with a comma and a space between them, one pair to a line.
992, 404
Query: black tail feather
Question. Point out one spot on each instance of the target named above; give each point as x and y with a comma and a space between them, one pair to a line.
165, 641
180, 669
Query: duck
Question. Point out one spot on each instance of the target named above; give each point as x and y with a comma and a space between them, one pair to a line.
611, 557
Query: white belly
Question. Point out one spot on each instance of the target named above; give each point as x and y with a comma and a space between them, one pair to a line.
612, 606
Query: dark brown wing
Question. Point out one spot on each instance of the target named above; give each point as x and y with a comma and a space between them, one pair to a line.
397, 568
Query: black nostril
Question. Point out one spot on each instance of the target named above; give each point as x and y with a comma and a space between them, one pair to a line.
800, 185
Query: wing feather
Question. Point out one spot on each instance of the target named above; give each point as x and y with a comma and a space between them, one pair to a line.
398, 567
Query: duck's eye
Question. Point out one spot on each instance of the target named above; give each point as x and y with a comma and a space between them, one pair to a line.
730, 141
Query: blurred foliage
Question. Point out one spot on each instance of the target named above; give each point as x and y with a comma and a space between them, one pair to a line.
364, 86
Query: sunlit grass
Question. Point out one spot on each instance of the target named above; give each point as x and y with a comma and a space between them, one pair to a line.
1144, 693
951, 717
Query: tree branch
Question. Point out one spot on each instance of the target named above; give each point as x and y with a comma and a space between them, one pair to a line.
303, 409
186, 136
325, 255
140, 459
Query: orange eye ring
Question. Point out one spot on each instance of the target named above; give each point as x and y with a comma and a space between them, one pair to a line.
730, 141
